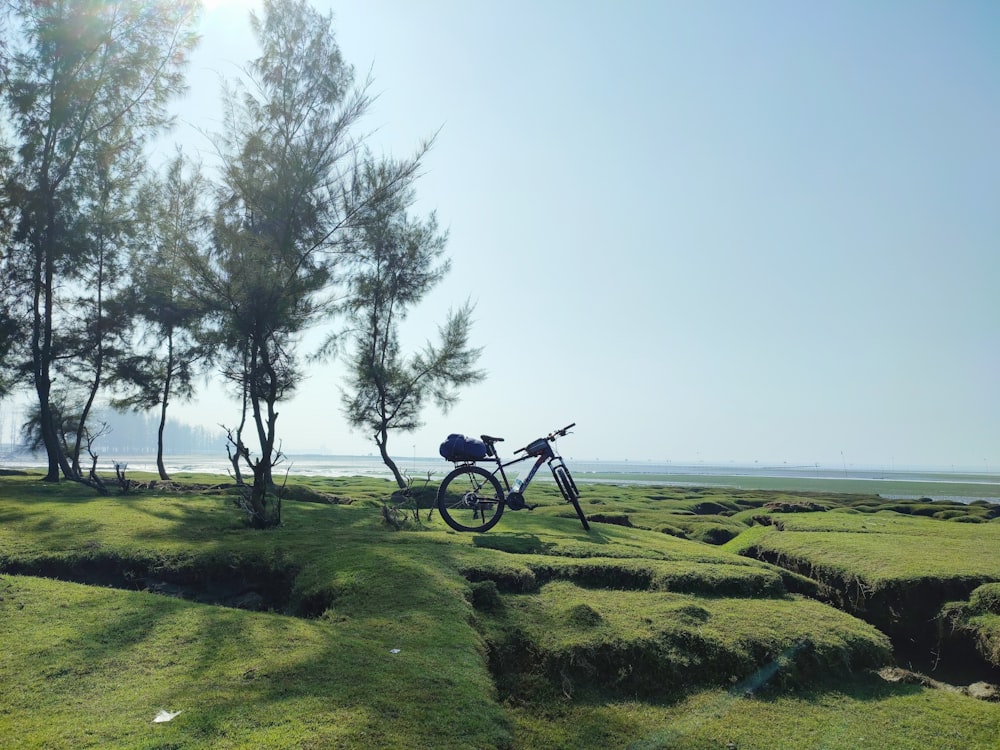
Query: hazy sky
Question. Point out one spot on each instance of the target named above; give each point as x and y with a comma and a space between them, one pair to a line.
704, 231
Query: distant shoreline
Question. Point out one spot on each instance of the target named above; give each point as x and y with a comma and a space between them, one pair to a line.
961, 486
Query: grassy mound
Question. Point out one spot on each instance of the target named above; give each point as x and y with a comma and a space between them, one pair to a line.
893, 570
979, 617
351, 634
866, 554
566, 640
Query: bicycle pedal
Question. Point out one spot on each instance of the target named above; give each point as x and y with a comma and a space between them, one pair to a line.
530, 507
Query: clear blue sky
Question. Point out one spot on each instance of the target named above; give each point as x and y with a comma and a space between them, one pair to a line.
704, 231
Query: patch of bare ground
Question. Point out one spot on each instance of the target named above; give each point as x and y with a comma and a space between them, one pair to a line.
982, 690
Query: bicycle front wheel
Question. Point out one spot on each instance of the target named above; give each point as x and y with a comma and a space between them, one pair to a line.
569, 491
470, 499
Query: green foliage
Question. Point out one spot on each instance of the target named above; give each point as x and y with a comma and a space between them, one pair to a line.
172, 347
85, 85
395, 261
287, 151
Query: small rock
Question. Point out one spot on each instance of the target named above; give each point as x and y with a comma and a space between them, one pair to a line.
984, 691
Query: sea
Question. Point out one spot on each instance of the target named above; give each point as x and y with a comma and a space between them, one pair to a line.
962, 485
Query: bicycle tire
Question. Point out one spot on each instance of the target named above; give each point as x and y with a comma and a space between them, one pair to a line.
569, 491
470, 499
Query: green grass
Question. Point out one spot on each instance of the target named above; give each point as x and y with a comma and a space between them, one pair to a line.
866, 713
241, 678
623, 643
534, 635
882, 548
945, 484
93, 666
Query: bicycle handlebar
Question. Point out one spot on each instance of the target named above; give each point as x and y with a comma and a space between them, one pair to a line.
550, 437
561, 433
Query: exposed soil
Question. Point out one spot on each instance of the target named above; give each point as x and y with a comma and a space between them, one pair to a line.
909, 615
257, 589
981, 690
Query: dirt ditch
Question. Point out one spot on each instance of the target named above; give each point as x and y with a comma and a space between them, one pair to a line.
255, 587
909, 614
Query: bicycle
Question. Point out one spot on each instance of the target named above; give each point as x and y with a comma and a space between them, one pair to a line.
471, 498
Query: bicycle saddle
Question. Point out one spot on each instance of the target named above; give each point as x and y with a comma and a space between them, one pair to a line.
489, 444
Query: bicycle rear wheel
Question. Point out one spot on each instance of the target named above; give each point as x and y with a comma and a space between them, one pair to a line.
470, 499
569, 491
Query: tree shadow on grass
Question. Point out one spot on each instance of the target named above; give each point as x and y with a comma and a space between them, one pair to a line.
840, 713
514, 542
46, 532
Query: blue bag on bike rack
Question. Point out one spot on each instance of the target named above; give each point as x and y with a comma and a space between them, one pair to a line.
461, 448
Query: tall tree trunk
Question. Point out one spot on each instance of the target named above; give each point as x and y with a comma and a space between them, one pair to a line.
163, 407
48, 429
41, 354
263, 483
159, 444
258, 496
266, 426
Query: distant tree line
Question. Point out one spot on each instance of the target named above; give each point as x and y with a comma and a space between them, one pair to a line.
123, 281
123, 433
135, 434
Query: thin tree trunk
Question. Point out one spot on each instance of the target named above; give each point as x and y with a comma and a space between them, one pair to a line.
98, 360
163, 408
381, 440
82, 426
266, 428
159, 444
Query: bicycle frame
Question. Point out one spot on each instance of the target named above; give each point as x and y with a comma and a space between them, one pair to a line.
472, 497
539, 460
